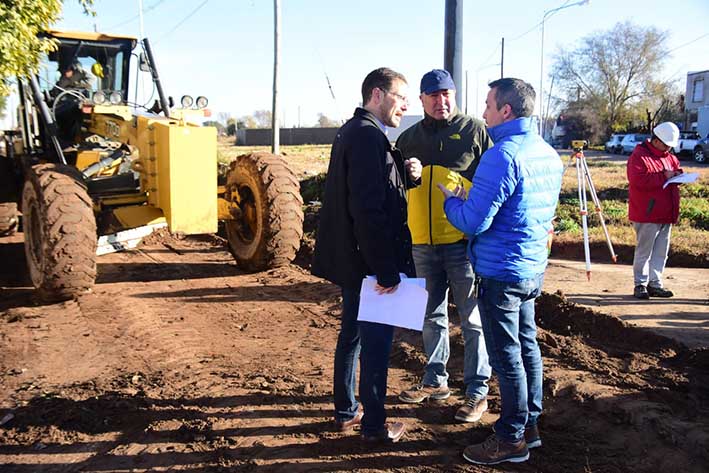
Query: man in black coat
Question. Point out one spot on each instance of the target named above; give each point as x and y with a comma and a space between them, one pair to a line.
363, 232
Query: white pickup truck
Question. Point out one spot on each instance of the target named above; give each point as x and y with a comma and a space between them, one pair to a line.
687, 142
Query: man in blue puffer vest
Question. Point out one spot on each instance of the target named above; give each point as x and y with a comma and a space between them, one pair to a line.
507, 218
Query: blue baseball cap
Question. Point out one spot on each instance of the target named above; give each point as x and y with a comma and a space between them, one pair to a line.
437, 79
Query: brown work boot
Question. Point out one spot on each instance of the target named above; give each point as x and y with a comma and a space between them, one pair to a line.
392, 432
532, 437
345, 425
472, 410
493, 451
421, 392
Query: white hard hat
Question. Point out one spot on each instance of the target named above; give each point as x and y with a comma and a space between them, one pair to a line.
668, 133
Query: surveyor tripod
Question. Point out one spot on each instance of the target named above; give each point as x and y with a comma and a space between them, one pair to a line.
583, 176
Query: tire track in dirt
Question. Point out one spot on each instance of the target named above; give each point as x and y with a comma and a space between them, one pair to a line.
42, 332
150, 334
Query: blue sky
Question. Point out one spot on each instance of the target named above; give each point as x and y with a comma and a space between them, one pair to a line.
224, 48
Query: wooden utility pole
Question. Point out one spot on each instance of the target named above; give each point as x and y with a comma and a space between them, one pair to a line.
453, 46
275, 129
502, 60
466, 91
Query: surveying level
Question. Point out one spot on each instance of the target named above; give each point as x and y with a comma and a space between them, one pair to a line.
583, 176
578, 145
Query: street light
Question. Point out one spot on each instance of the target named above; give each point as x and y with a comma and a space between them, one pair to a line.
547, 14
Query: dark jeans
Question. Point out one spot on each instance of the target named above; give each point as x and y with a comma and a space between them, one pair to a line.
371, 343
507, 313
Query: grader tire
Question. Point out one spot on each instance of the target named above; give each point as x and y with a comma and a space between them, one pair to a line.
8, 218
268, 233
60, 232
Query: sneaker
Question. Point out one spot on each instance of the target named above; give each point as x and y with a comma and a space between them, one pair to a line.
472, 410
659, 292
392, 432
640, 292
532, 437
493, 451
421, 392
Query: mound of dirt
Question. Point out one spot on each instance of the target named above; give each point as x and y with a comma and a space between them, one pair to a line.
573, 250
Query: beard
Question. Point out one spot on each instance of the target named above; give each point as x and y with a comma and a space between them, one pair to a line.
389, 117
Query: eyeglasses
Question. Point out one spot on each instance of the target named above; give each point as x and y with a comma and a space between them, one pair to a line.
398, 96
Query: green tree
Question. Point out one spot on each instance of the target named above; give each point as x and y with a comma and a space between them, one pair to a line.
326, 122
20, 21
221, 129
247, 121
231, 124
615, 74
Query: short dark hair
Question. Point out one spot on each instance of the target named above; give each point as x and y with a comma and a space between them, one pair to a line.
379, 79
517, 93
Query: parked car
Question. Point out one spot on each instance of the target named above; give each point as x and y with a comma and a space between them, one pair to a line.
702, 150
613, 144
629, 142
688, 141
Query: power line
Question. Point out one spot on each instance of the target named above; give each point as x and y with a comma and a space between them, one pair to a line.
190, 15
526, 32
688, 43
490, 57
540, 23
133, 18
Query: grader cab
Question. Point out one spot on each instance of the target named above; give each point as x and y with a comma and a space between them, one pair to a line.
87, 161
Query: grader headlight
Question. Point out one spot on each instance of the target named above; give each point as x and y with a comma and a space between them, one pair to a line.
115, 98
202, 102
99, 98
186, 101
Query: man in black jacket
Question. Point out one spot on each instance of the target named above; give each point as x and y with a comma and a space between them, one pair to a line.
363, 232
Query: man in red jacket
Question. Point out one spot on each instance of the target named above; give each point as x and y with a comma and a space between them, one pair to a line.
652, 207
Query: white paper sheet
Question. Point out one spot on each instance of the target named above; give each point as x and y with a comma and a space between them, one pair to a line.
684, 178
405, 308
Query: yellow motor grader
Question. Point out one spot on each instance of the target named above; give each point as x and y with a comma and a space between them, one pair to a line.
85, 161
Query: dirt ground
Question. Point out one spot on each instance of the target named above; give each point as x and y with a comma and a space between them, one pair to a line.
685, 317
180, 361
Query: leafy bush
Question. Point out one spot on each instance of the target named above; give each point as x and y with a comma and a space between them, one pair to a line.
566, 225
615, 212
695, 213
694, 190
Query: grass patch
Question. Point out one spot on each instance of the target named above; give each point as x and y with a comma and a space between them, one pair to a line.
698, 190
694, 212
305, 160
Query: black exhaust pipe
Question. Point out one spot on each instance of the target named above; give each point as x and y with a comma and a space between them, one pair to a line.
154, 72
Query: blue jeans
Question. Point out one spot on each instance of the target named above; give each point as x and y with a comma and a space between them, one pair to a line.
507, 310
446, 266
371, 343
